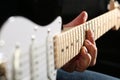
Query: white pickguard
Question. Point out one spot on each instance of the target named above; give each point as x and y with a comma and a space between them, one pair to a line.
19, 30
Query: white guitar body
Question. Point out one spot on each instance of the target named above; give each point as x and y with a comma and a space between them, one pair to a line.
28, 48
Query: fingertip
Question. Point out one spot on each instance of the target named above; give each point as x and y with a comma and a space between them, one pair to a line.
90, 36
90, 32
84, 14
84, 50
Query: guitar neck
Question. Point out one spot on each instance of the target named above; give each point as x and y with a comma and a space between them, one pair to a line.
68, 43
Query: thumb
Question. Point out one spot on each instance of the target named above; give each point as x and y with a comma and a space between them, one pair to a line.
81, 18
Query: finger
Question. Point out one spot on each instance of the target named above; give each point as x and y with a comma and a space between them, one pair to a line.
92, 50
90, 36
81, 18
83, 60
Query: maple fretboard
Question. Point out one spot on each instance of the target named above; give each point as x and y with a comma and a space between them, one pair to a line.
68, 43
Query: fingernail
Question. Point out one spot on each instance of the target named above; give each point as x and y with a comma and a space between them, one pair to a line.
87, 42
85, 49
85, 16
90, 33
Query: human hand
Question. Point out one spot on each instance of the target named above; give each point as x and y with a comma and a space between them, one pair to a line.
88, 53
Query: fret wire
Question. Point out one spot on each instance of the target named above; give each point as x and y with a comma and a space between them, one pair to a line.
104, 22
77, 47
78, 34
101, 25
79, 38
89, 26
66, 47
59, 54
95, 20
61, 58
86, 25
83, 33
64, 54
93, 24
69, 49
107, 22
76, 41
64, 51
76, 38
66, 42
113, 18
92, 27
118, 18
96, 28
110, 21
73, 42
56, 50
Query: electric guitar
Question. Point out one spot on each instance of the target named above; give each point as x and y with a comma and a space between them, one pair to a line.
34, 52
